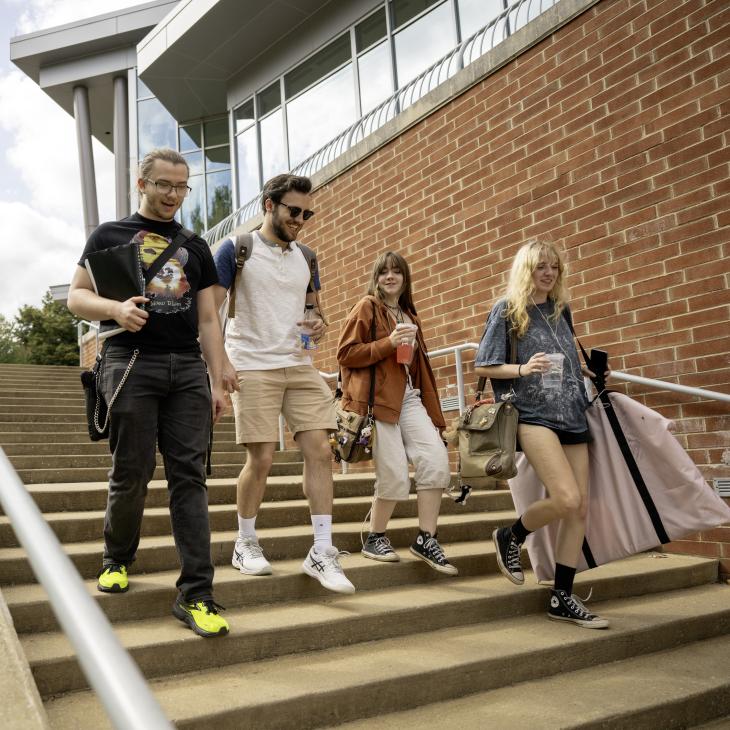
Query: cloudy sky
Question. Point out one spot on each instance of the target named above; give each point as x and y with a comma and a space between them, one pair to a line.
40, 191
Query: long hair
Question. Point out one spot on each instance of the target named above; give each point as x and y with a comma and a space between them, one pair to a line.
394, 261
520, 287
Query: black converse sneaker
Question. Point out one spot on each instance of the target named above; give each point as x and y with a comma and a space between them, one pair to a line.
378, 547
508, 555
428, 549
569, 608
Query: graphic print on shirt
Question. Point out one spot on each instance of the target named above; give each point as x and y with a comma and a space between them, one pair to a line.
169, 291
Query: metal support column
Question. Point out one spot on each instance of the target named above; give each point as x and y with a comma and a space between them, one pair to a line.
121, 147
86, 158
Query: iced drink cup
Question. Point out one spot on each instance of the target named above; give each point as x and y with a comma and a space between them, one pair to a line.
553, 378
404, 351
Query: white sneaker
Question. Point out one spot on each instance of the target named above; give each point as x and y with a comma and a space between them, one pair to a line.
326, 568
249, 558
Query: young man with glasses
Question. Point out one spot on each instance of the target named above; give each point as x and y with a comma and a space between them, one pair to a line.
165, 400
275, 375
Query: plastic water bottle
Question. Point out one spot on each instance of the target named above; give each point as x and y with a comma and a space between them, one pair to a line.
305, 332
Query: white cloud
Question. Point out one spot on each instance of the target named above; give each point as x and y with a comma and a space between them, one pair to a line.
38, 251
40, 199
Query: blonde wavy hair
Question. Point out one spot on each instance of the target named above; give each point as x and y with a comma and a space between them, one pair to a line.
520, 287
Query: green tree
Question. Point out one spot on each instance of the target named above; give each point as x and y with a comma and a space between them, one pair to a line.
10, 348
47, 334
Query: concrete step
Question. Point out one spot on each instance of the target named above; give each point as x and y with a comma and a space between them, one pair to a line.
60, 460
331, 686
71, 527
37, 401
34, 431
64, 497
674, 688
95, 474
98, 448
157, 553
302, 625
8, 418
152, 594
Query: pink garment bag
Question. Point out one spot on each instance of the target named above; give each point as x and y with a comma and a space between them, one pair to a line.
648, 493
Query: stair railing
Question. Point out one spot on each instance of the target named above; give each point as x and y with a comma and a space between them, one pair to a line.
116, 679
80, 337
457, 351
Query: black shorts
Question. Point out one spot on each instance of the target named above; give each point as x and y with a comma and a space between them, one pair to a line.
565, 437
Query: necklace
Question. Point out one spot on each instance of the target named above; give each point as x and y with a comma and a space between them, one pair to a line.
396, 311
554, 333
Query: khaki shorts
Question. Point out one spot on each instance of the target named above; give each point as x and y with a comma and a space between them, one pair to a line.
297, 392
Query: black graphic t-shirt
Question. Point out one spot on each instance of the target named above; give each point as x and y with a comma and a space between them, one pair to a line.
173, 322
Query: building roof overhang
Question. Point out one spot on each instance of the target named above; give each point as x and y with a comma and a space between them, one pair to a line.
90, 52
189, 57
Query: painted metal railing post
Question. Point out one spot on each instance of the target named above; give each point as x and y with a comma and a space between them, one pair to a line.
459, 379
109, 669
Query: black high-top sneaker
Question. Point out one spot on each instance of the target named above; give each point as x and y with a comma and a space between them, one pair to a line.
428, 549
569, 608
508, 555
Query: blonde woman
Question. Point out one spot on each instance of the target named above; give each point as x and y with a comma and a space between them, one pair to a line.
407, 411
552, 430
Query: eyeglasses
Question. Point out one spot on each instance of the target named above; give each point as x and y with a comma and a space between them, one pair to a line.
164, 187
295, 211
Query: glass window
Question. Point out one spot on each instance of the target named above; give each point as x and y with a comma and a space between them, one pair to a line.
320, 114
319, 65
248, 165
217, 158
273, 153
143, 91
376, 77
155, 127
195, 161
269, 99
192, 213
404, 10
216, 132
243, 116
422, 43
371, 30
475, 14
190, 138
219, 196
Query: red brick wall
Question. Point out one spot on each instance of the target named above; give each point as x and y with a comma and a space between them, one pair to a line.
610, 136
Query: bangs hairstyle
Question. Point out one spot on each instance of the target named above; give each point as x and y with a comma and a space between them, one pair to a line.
520, 286
394, 261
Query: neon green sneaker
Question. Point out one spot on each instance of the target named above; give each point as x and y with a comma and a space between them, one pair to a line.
113, 579
202, 617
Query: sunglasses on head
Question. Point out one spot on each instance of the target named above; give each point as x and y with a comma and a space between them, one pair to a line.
295, 211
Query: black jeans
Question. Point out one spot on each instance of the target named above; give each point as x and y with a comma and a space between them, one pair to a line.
165, 401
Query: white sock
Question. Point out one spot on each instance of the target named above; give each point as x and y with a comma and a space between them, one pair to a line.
247, 527
322, 525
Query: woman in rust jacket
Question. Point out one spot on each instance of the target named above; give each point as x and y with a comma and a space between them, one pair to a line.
407, 412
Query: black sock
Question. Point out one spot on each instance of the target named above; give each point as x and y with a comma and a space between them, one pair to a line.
519, 531
564, 578
376, 534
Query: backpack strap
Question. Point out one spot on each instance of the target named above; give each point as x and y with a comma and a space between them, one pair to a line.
242, 248
311, 259
180, 238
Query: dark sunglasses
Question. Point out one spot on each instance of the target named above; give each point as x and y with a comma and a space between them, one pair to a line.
295, 211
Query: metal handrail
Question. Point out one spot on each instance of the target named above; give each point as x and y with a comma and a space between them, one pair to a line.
80, 336
518, 14
109, 669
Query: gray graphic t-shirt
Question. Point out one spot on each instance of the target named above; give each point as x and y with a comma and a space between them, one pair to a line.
562, 408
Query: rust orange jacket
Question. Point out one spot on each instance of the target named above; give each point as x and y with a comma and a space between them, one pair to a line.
356, 353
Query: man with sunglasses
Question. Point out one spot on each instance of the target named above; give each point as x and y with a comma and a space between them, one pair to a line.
269, 373
152, 361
